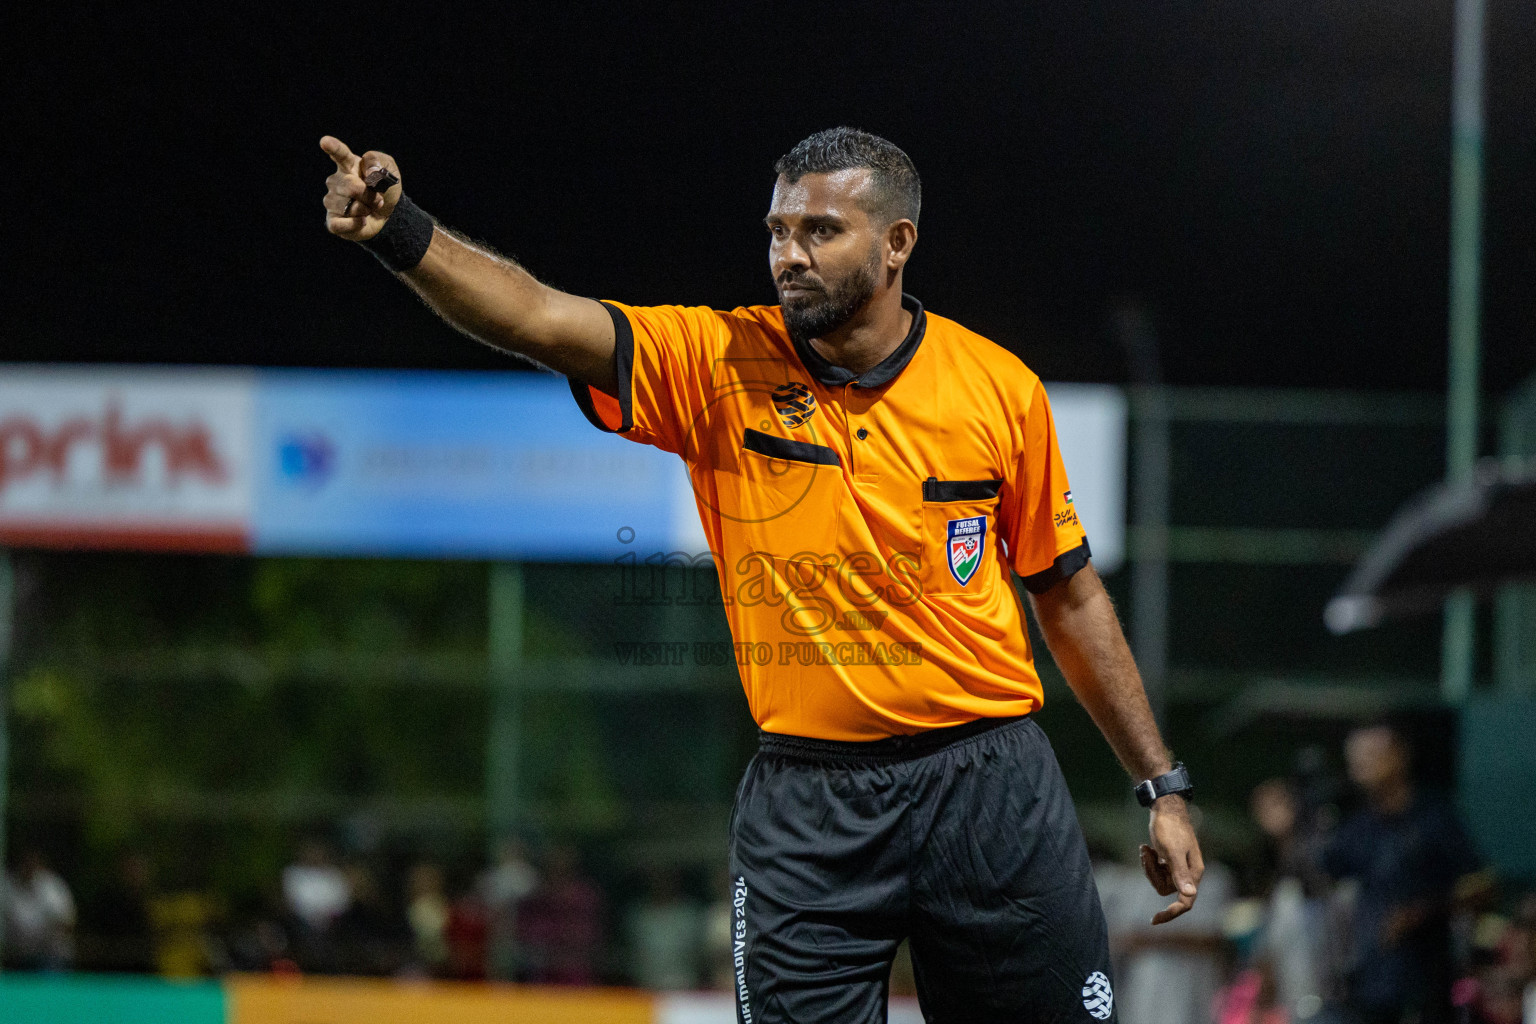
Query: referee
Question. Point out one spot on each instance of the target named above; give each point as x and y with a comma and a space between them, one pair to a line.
870, 477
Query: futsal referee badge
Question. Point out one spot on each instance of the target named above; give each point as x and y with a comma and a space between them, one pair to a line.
966, 541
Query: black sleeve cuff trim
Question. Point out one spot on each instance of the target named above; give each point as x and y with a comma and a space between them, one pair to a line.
776, 447
1067, 563
623, 368
935, 489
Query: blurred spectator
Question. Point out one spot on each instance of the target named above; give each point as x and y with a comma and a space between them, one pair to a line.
314, 888
1498, 999
1252, 998
39, 917
560, 926
467, 935
427, 911
183, 940
1294, 917
1168, 973
315, 893
503, 887
1406, 850
665, 933
119, 921
370, 937
1503, 979
258, 942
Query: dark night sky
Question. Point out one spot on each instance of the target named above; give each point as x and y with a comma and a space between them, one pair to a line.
1270, 178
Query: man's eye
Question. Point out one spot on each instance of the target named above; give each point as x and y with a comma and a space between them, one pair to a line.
822, 231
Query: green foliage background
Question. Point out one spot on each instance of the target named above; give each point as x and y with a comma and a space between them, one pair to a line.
212, 711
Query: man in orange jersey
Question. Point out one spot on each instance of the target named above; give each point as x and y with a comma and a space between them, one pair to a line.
870, 477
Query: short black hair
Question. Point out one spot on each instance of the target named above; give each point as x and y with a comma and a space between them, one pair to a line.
897, 192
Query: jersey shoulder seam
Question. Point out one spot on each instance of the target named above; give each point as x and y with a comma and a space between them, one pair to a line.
993, 355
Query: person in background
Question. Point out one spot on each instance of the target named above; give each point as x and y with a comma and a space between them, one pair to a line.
184, 921
39, 917
1253, 997
560, 926
259, 938
665, 933
1503, 977
1499, 997
371, 938
503, 888
314, 889
120, 920
467, 936
1292, 937
427, 911
1406, 849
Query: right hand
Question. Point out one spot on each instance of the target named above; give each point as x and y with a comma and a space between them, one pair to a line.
352, 209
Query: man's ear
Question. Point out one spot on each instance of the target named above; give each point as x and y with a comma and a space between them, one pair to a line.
900, 238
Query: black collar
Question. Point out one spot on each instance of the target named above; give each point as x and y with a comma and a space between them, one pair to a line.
883, 372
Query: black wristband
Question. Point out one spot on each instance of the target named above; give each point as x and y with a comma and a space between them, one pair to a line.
403, 240
1149, 791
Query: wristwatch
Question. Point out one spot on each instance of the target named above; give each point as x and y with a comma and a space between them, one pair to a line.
1176, 781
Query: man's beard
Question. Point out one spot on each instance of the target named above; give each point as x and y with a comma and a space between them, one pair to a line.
819, 314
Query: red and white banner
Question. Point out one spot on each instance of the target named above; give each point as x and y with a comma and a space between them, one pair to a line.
147, 459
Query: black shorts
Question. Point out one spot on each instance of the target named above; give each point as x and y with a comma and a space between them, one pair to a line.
963, 839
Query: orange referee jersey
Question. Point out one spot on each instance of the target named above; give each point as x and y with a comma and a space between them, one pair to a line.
863, 525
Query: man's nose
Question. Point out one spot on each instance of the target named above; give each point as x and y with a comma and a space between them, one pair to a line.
789, 255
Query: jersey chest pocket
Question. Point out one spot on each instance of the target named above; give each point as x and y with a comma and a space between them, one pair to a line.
959, 532
791, 499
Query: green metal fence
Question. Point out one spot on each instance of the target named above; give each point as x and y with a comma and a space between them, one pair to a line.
1514, 664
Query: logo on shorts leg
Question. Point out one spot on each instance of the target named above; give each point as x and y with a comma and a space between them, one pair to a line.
1098, 997
739, 947
966, 540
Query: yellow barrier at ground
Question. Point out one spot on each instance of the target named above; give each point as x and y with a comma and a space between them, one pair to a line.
261, 1000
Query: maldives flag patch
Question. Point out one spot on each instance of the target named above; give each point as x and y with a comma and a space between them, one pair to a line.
966, 540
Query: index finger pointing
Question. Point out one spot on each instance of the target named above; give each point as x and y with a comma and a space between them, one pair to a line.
338, 151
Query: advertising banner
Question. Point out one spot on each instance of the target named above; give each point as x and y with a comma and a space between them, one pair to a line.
458, 465
257, 1000
146, 459
1091, 430
393, 464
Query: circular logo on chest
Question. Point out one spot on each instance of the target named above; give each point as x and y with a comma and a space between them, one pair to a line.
794, 402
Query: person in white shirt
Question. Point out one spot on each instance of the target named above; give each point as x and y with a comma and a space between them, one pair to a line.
314, 888
39, 917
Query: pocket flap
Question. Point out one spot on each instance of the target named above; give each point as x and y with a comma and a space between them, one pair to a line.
935, 489
776, 447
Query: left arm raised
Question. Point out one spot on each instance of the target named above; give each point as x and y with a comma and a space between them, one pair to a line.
1085, 638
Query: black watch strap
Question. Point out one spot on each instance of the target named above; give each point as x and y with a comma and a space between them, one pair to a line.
1176, 781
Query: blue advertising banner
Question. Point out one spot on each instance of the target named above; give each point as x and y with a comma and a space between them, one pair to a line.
456, 465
